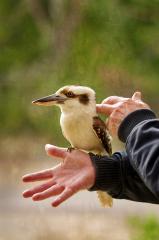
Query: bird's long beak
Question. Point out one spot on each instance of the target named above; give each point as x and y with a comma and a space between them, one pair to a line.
50, 100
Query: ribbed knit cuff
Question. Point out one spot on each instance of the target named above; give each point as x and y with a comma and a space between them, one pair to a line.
132, 120
108, 173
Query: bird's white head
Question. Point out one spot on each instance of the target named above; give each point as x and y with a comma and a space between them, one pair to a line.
70, 98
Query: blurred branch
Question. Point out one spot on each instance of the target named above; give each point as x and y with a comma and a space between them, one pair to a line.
59, 23
63, 33
56, 10
39, 14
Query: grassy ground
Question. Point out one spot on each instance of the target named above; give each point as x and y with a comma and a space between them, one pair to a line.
144, 228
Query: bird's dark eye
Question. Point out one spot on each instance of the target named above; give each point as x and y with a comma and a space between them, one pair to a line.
70, 94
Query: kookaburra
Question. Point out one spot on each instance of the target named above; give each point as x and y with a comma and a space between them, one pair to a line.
80, 124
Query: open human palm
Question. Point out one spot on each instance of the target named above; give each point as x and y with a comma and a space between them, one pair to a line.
73, 174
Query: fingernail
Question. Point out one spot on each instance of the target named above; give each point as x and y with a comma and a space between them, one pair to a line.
47, 147
98, 105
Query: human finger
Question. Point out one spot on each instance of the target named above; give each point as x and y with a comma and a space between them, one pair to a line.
114, 121
113, 100
37, 189
52, 191
54, 151
67, 193
111, 126
104, 108
136, 96
38, 176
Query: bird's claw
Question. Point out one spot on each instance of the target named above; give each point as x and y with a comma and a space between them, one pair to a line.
70, 149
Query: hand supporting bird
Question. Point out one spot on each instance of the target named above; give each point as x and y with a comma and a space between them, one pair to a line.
74, 173
117, 109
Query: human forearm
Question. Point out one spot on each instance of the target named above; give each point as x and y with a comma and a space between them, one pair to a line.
142, 146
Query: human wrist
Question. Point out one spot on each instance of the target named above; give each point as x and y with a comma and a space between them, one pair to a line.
91, 176
107, 173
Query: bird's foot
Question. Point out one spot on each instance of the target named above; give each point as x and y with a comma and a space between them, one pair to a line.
70, 149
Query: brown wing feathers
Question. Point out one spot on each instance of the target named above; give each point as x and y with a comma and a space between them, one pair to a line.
102, 133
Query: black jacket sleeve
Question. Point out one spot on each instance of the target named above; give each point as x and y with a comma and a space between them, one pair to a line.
125, 175
142, 147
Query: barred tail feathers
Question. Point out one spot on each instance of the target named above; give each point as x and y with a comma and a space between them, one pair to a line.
105, 199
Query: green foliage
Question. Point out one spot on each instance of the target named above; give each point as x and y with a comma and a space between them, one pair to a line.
19, 38
145, 229
111, 46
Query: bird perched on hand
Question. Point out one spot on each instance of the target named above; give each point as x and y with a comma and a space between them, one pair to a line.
80, 124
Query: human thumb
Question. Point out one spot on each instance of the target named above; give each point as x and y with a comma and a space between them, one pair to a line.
105, 109
136, 96
54, 151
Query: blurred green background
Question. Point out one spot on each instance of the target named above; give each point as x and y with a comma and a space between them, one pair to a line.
111, 46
